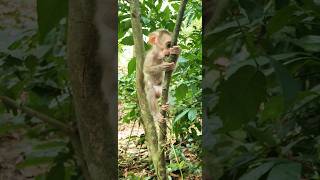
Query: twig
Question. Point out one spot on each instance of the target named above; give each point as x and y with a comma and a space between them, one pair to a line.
245, 38
131, 131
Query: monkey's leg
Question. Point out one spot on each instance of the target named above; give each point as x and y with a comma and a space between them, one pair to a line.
158, 91
153, 103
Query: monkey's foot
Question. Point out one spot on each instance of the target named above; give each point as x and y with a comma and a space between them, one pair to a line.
162, 120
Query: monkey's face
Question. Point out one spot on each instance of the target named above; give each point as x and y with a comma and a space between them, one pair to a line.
164, 44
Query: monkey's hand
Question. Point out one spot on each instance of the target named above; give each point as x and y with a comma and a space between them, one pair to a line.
166, 66
165, 107
175, 50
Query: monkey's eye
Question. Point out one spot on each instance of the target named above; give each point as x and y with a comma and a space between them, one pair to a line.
168, 45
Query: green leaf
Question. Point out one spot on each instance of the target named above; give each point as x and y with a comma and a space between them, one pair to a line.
35, 161
285, 171
241, 96
50, 145
128, 40
56, 172
178, 117
263, 136
131, 66
309, 43
273, 109
257, 172
181, 91
31, 63
41, 51
282, 18
41, 177
50, 12
8, 127
192, 114
290, 87
253, 8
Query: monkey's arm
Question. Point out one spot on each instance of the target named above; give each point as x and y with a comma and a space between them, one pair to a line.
154, 69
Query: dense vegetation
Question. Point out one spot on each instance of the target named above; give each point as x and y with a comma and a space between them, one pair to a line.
261, 93
185, 90
34, 73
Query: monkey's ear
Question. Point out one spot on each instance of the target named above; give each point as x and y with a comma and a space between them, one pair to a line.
152, 39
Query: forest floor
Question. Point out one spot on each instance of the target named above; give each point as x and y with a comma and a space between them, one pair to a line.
15, 15
133, 160
13, 148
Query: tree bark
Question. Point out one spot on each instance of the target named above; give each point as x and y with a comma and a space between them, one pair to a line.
147, 120
167, 80
95, 125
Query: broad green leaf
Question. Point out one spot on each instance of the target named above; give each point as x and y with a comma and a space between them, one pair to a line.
309, 43
128, 40
41, 51
158, 6
257, 172
166, 13
34, 161
290, 87
282, 18
181, 91
18, 54
50, 12
285, 171
253, 8
241, 96
131, 66
192, 114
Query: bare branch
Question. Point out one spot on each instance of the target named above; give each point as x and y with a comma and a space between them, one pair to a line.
33, 113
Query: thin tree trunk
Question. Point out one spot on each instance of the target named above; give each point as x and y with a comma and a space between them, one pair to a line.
167, 80
147, 120
95, 125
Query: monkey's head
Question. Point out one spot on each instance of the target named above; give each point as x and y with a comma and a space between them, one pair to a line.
161, 39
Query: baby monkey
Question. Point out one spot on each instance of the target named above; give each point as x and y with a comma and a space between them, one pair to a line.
155, 67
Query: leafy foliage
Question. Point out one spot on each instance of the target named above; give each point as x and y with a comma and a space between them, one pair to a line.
34, 73
185, 90
261, 111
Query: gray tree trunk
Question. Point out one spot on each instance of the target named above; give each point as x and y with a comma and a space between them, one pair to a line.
147, 120
92, 69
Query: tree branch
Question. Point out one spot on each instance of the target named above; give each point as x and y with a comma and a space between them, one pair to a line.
167, 80
147, 120
33, 113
